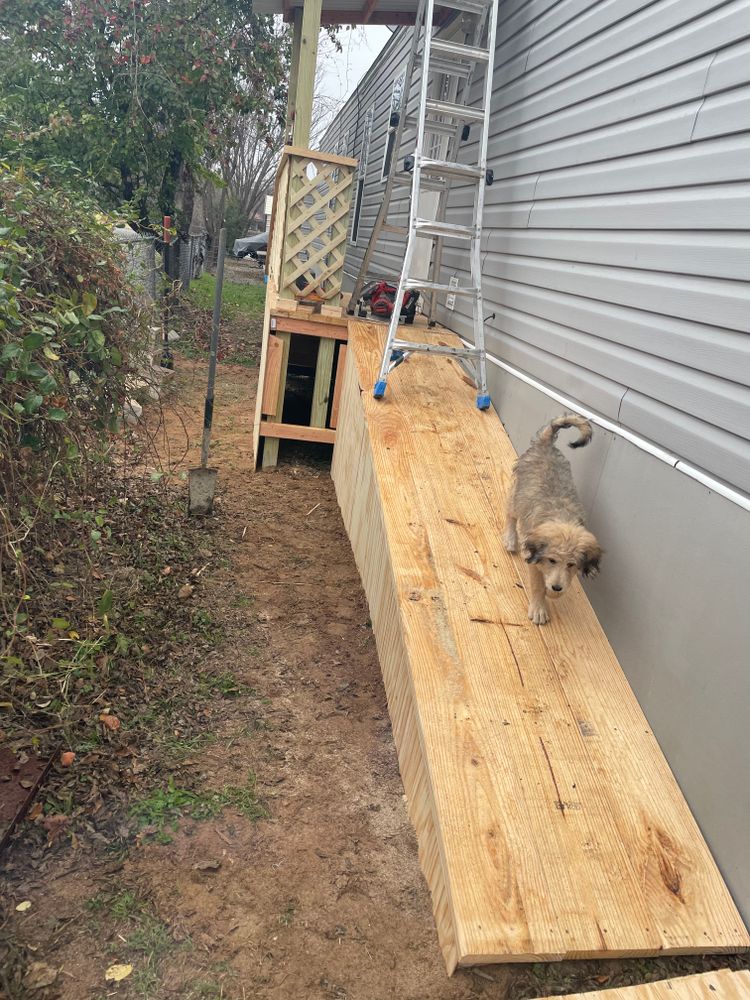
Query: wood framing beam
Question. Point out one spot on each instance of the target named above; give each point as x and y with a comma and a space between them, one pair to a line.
305, 80
367, 10
322, 384
308, 328
340, 368
271, 446
272, 375
394, 17
296, 432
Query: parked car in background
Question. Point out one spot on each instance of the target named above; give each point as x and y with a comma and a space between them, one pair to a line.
251, 246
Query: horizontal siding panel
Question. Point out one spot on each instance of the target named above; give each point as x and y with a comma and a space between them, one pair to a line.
729, 68
710, 448
638, 99
658, 131
710, 255
596, 391
723, 114
611, 27
698, 299
723, 353
711, 162
709, 207
711, 399
582, 73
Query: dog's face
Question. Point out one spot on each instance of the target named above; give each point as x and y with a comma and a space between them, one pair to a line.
560, 551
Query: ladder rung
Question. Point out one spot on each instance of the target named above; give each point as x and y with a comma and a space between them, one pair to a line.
469, 6
449, 67
405, 180
458, 112
438, 128
396, 230
438, 286
446, 168
460, 352
455, 50
429, 228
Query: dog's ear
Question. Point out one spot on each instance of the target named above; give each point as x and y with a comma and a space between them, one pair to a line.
533, 549
591, 558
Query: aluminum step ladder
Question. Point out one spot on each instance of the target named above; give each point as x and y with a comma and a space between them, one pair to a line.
448, 116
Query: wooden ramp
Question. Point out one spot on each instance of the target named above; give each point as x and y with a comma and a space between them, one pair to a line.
721, 985
549, 823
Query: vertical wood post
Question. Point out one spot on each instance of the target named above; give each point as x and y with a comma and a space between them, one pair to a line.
271, 445
291, 104
306, 63
322, 384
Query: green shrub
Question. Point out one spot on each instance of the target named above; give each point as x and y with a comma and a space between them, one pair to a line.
72, 339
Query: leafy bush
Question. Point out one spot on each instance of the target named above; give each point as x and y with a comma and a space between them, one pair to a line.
72, 336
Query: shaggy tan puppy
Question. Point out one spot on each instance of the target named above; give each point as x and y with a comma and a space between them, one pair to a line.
546, 519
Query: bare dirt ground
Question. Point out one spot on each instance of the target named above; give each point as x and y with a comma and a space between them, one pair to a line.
309, 886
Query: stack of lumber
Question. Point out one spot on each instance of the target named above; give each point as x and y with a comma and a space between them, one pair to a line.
549, 823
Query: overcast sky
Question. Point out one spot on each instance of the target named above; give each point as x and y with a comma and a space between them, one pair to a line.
342, 71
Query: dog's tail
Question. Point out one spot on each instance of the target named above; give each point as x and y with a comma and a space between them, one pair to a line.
548, 434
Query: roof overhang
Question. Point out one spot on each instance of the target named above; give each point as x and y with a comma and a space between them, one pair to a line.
391, 12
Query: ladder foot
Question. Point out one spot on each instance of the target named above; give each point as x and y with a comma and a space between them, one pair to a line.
379, 390
483, 401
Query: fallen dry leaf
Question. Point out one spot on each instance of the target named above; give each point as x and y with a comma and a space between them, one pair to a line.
36, 811
24, 906
166, 571
207, 866
54, 825
116, 973
67, 758
185, 591
38, 975
110, 722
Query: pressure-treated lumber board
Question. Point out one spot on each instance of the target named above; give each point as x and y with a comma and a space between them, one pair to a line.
271, 445
310, 326
548, 821
322, 383
721, 985
340, 368
297, 432
273, 375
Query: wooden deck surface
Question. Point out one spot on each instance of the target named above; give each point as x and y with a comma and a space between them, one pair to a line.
721, 985
549, 823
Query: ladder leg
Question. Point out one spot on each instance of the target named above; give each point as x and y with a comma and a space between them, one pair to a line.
385, 364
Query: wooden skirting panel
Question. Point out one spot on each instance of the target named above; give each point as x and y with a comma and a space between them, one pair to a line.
548, 821
721, 985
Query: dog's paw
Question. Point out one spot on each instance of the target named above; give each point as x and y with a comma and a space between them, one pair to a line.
510, 542
538, 616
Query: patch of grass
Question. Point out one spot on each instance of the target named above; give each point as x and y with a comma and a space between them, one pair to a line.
203, 623
242, 601
165, 807
237, 300
182, 746
287, 915
126, 904
225, 684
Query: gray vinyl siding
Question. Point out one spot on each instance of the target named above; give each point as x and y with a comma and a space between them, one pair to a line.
616, 243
